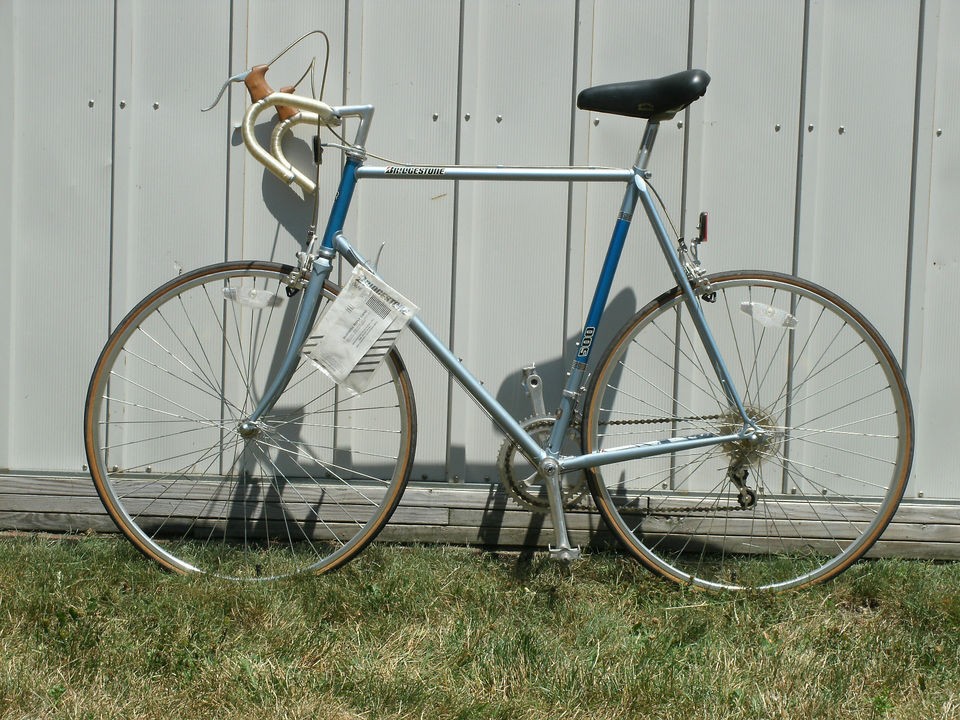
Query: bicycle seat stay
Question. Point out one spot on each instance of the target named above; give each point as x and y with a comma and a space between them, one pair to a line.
655, 100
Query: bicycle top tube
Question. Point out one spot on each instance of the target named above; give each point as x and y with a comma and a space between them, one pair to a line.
654, 99
275, 160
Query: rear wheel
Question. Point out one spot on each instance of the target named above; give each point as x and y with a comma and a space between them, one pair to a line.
197, 489
794, 508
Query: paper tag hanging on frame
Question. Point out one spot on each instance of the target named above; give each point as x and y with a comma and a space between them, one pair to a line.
358, 329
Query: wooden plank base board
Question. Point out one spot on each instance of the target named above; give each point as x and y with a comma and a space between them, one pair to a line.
478, 515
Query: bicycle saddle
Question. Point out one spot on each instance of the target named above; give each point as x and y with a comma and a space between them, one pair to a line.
657, 99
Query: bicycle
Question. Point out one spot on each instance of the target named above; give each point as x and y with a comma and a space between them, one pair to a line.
746, 429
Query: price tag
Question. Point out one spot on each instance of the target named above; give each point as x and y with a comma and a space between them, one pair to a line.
358, 329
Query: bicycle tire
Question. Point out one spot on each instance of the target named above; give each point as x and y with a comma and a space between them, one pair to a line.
161, 425
818, 491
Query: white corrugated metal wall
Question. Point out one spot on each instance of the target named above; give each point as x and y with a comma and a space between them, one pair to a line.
828, 144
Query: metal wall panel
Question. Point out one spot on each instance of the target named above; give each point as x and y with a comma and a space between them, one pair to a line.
271, 220
511, 237
936, 383
746, 147
170, 159
7, 139
508, 269
404, 61
60, 230
855, 194
621, 40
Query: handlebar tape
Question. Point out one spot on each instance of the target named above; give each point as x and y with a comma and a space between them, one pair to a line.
257, 86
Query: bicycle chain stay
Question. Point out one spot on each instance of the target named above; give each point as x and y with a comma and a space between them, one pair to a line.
738, 476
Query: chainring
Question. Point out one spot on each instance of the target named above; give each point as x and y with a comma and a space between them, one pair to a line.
520, 477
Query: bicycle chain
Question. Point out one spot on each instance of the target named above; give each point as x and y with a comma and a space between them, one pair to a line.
661, 421
672, 511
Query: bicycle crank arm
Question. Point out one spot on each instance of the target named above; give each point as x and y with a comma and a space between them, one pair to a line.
563, 551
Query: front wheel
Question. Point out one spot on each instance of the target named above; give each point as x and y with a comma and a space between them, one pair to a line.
805, 499
197, 489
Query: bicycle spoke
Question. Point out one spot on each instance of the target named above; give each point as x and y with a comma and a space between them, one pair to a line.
302, 490
794, 505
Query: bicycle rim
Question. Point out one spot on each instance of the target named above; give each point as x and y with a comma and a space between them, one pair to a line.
794, 509
174, 381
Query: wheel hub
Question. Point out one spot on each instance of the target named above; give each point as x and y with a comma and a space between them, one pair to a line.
751, 451
248, 429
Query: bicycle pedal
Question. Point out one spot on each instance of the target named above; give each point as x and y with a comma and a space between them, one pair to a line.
564, 555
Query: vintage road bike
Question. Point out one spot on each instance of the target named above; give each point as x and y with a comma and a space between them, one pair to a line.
744, 429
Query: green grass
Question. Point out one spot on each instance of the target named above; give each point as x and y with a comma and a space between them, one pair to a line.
89, 629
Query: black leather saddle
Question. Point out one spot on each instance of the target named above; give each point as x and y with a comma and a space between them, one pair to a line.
658, 99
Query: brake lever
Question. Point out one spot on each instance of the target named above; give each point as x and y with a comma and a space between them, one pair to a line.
240, 77
243, 76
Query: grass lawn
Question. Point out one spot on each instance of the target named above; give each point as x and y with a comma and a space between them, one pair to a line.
89, 629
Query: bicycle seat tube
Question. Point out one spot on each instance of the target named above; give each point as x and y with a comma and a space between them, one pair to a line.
572, 390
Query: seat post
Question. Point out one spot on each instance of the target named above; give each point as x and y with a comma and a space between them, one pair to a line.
646, 145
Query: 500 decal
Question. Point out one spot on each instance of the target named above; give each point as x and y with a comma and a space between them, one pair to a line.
394, 170
586, 341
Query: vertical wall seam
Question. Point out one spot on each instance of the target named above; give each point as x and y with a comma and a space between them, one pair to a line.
454, 240
798, 189
685, 155
346, 42
912, 212
795, 261
344, 72
571, 154
228, 165
111, 274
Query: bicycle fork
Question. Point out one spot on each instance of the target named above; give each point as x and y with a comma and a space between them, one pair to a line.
319, 262
306, 317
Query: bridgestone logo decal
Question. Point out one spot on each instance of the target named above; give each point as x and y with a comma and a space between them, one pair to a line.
392, 170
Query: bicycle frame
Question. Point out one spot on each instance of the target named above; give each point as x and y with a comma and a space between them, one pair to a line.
548, 459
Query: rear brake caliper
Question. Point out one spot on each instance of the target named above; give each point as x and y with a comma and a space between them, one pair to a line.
690, 259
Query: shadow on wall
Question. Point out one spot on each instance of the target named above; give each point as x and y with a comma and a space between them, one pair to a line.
292, 212
537, 530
